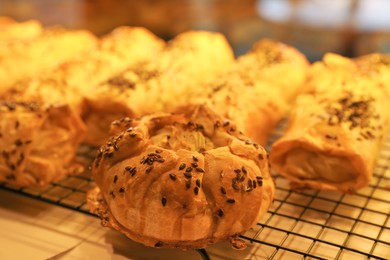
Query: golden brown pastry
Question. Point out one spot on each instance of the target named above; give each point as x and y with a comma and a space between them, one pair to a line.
190, 59
336, 131
60, 97
72, 80
258, 90
37, 145
180, 180
24, 59
11, 30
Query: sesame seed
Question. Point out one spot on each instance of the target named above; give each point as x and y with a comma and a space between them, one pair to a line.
195, 158
237, 171
158, 244
223, 190
260, 156
194, 165
226, 123
189, 169
172, 176
18, 142
231, 201
132, 134
188, 184
163, 201
149, 169
182, 166
198, 183
112, 194
198, 169
121, 190
196, 190
188, 175
115, 178
220, 212
158, 151
244, 170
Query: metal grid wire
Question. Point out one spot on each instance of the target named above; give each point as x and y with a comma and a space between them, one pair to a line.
300, 225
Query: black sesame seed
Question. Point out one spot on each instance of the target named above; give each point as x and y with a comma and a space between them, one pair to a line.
260, 156
231, 201
172, 176
195, 158
226, 123
237, 171
112, 194
158, 244
149, 169
182, 166
189, 169
158, 151
260, 183
121, 190
188, 184
115, 178
220, 212
244, 170
223, 190
196, 190
163, 201
18, 142
198, 183
132, 134
188, 175
194, 165
198, 169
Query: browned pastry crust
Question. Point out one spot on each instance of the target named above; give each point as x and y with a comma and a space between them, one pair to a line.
25, 59
189, 60
258, 90
37, 146
11, 30
336, 131
60, 97
180, 180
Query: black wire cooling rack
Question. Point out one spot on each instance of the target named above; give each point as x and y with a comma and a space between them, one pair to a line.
300, 225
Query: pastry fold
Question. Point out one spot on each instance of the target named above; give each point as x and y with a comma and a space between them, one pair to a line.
37, 145
59, 96
336, 130
25, 59
189, 60
180, 180
258, 90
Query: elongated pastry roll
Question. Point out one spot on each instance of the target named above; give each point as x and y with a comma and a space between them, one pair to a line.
11, 31
74, 79
258, 90
37, 145
180, 180
337, 129
25, 59
189, 60
59, 95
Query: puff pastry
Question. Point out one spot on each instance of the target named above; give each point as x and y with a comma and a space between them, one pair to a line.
71, 81
11, 30
37, 145
336, 130
253, 93
59, 95
190, 59
180, 180
24, 59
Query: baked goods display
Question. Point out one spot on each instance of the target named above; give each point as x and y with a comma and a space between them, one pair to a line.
252, 93
189, 61
180, 180
22, 60
336, 130
183, 165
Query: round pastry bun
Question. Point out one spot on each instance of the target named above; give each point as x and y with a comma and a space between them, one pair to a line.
184, 180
